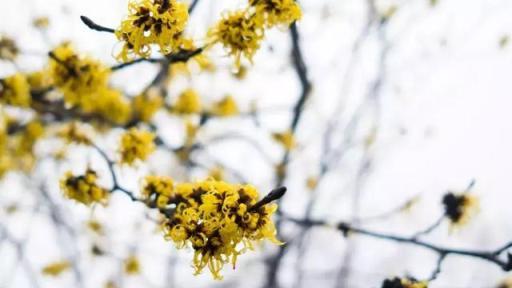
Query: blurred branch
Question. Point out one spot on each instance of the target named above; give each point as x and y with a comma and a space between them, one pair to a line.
349, 229
115, 186
302, 71
192, 6
136, 61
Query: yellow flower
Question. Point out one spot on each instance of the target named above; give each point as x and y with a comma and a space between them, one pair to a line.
158, 189
286, 139
225, 107
113, 106
459, 208
8, 48
83, 188
15, 90
215, 218
132, 265
136, 145
276, 12
404, 283
188, 102
32, 132
39, 80
147, 104
23, 145
41, 22
79, 78
240, 33
157, 22
95, 226
312, 182
56, 268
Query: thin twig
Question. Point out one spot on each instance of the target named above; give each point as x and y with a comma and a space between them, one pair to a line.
136, 61
89, 23
115, 185
347, 229
430, 228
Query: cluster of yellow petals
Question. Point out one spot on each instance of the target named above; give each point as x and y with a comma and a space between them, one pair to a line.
136, 145
158, 190
225, 107
113, 106
15, 90
23, 144
146, 104
151, 22
215, 218
17, 144
277, 12
78, 77
83, 188
404, 283
240, 33
286, 139
188, 102
132, 265
39, 80
56, 268
84, 83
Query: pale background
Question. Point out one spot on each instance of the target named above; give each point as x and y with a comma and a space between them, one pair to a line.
443, 115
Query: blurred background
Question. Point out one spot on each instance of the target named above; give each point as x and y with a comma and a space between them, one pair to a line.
409, 100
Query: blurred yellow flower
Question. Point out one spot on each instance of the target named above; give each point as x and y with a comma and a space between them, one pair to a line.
136, 145
56, 268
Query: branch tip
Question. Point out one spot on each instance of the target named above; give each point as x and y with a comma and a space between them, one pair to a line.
272, 196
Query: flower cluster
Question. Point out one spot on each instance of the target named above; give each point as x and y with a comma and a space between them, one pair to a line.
151, 22
15, 90
158, 189
213, 217
225, 107
136, 145
83, 188
403, 283
132, 265
84, 83
277, 12
78, 77
241, 32
188, 102
23, 144
17, 143
459, 207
